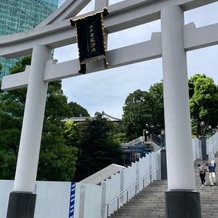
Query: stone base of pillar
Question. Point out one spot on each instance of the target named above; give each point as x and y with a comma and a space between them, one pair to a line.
182, 204
21, 205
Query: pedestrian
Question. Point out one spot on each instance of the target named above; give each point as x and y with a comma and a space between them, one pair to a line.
212, 173
202, 173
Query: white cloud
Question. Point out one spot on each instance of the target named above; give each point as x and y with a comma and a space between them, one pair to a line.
107, 90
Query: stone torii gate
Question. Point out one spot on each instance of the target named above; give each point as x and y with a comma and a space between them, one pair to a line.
171, 44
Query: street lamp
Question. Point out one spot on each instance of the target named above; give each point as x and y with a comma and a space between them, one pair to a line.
163, 156
203, 141
162, 135
143, 132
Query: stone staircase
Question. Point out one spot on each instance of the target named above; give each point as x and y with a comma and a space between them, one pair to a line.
147, 203
150, 202
208, 195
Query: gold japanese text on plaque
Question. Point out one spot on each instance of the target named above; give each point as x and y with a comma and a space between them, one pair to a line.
91, 38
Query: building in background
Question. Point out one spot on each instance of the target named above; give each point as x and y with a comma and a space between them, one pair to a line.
22, 15
97, 114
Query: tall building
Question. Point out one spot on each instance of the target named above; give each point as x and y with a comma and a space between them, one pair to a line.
22, 15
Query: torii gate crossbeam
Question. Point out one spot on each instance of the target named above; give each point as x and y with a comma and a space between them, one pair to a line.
123, 15
171, 44
194, 38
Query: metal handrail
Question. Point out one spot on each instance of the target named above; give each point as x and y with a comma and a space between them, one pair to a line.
134, 141
128, 189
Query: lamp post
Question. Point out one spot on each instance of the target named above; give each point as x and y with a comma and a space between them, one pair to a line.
203, 141
143, 132
162, 135
163, 156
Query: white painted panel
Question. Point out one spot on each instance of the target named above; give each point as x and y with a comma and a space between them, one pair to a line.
91, 205
53, 199
6, 186
113, 186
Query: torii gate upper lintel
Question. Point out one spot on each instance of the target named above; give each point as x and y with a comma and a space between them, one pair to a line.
171, 44
21, 44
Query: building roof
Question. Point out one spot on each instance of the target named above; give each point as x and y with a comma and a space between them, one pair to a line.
108, 117
103, 115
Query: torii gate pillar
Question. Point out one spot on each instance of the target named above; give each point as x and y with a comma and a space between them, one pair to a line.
181, 198
22, 199
182, 201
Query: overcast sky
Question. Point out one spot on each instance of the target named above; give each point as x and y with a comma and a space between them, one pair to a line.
107, 90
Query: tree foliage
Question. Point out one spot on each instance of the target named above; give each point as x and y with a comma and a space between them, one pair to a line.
76, 150
96, 147
11, 116
203, 101
77, 110
144, 110
57, 160
156, 92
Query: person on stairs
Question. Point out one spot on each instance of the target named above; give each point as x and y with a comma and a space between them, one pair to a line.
212, 173
202, 173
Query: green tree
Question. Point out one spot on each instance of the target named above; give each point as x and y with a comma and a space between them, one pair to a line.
11, 115
137, 113
203, 102
156, 93
118, 133
57, 160
71, 133
77, 110
144, 110
97, 148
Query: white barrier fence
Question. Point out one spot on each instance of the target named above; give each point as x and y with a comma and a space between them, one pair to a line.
132, 180
52, 198
78, 200
57, 200
196, 148
212, 146
100, 201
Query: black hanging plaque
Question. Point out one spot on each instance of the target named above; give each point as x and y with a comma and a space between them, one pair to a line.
91, 38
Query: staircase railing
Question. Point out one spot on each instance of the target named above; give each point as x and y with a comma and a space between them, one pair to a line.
157, 140
134, 142
129, 193
124, 196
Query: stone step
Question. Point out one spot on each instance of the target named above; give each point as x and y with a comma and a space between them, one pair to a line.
144, 215
150, 202
128, 209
